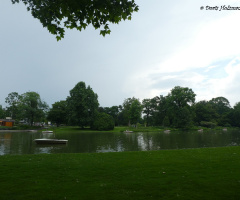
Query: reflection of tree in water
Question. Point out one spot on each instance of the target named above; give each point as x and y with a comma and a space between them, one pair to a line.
17, 143
145, 141
5, 143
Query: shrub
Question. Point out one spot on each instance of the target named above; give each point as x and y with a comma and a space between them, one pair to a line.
208, 124
166, 122
103, 122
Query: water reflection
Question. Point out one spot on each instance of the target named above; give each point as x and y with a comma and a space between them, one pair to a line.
84, 142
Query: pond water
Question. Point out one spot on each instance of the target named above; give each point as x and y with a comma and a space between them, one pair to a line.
87, 142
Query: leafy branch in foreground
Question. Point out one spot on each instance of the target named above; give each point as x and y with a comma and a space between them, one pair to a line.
56, 15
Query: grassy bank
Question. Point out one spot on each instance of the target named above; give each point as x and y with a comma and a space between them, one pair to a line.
209, 173
140, 128
116, 129
124, 128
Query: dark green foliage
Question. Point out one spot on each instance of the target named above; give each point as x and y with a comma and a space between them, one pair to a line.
103, 122
222, 107
182, 118
58, 113
234, 115
181, 97
2, 112
166, 121
28, 107
151, 109
32, 107
132, 110
122, 119
157, 110
220, 104
13, 100
56, 15
112, 111
204, 111
208, 124
154, 111
217, 110
82, 105
146, 104
179, 109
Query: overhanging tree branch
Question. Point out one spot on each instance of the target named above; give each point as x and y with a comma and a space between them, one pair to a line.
56, 15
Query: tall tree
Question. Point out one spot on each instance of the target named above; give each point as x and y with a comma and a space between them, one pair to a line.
13, 99
179, 101
82, 105
222, 106
32, 107
151, 109
122, 119
112, 111
204, 112
58, 113
234, 115
182, 96
160, 111
2, 112
56, 15
132, 109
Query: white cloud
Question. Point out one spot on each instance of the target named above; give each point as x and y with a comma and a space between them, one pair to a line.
217, 40
192, 64
209, 68
227, 86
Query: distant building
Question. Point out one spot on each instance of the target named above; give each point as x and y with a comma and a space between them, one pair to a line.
7, 122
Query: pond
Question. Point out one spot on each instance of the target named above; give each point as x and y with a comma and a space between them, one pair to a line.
87, 142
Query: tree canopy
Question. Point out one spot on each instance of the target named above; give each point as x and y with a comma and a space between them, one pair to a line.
103, 122
56, 15
82, 105
221, 104
132, 109
32, 107
204, 111
13, 100
58, 113
178, 102
2, 112
28, 107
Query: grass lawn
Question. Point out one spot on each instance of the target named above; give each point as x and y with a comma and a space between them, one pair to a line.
208, 173
124, 128
116, 129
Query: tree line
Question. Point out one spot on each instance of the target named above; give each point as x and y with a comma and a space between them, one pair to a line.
81, 108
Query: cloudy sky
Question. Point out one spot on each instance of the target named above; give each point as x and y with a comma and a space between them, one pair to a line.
166, 44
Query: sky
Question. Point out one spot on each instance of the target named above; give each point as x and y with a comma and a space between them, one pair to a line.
167, 43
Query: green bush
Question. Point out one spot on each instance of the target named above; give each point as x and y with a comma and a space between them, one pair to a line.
166, 122
103, 122
208, 124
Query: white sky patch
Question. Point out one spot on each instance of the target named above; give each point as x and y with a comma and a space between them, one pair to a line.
227, 87
217, 40
209, 68
231, 83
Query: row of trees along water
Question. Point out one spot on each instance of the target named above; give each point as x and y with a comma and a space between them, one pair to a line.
177, 109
